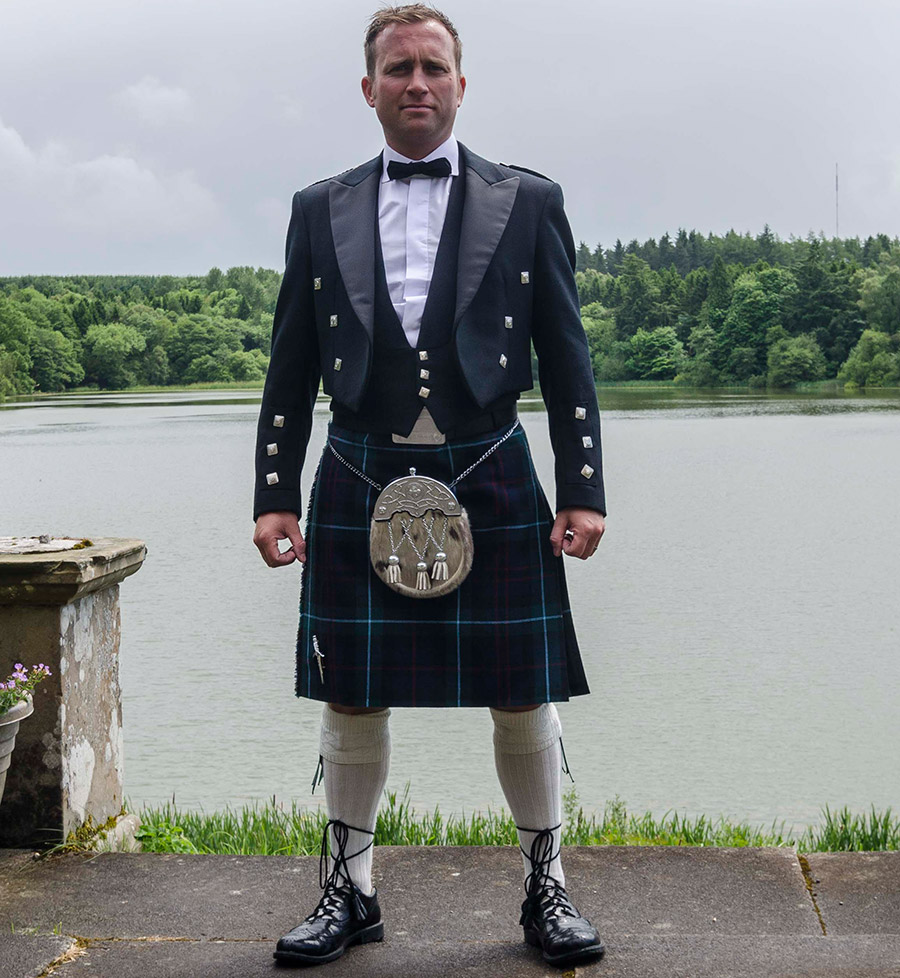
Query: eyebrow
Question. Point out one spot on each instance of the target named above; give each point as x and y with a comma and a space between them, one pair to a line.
407, 62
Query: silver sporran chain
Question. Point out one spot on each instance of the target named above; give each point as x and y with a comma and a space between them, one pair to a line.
419, 517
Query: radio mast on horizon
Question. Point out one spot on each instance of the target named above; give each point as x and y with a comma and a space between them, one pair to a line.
837, 223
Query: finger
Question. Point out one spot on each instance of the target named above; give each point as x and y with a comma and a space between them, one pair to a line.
557, 534
267, 543
298, 544
577, 546
281, 557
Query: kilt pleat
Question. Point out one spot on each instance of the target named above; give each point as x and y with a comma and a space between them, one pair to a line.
503, 638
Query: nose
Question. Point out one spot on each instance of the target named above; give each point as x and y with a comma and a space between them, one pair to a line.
418, 81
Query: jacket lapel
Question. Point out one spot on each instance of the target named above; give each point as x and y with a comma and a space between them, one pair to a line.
353, 208
490, 196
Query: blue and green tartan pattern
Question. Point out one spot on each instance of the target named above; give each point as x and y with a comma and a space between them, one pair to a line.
503, 638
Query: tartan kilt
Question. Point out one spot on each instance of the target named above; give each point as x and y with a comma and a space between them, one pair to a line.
503, 638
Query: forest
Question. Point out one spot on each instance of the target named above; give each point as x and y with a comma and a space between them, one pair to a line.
703, 310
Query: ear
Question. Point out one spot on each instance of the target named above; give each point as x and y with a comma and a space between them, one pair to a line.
462, 89
368, 90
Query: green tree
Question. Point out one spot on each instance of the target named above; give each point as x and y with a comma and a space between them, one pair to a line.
880, 298
792, 359
247, 365
155, 366
758, 303
718, 293
655, 355
198, 336
112, 352
639, 294
608, 354
873, 362
698, 369
54, 360
15, 349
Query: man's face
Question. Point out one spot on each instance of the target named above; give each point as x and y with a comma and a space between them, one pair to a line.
416, 88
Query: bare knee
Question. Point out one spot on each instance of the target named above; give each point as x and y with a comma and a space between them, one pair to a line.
517, 709
353, 710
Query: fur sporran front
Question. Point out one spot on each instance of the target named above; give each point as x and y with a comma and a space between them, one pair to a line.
420, 540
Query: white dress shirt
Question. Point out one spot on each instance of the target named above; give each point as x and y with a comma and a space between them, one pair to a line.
411, 216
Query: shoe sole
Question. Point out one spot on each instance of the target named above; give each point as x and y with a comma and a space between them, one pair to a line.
367, 935
591, 952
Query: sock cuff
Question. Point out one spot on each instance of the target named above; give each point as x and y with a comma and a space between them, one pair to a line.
528, 731
355, 738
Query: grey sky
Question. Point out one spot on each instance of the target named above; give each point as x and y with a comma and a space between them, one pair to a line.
168, 136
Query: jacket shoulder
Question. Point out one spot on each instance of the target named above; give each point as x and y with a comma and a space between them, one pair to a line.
524, 169
351, 176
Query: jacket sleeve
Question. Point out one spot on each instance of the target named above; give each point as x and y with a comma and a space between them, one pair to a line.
292, 381
564, 364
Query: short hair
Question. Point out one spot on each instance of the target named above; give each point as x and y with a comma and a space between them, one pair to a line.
410, 13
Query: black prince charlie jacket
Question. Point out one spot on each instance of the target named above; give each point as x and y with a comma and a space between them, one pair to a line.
515, 284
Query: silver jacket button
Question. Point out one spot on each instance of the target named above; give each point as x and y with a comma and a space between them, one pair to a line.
272, 449
587, 471
580, 413
278, 421
526, 278
337, 363
587, 441
272, 478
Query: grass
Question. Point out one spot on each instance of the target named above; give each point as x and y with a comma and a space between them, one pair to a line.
274, 830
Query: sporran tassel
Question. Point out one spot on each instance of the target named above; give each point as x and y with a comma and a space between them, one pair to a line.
393, 570
439, 569
422, 581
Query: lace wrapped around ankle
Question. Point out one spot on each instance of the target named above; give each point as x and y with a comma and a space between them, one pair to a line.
542, 891
338, 886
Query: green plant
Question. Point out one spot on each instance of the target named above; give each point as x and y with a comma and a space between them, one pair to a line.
19, 685
164, 836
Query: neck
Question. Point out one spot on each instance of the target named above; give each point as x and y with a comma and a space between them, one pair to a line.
416, 151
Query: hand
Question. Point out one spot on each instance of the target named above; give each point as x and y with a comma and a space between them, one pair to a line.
577, 531
272, 527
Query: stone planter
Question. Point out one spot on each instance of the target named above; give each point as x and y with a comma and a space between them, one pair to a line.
9, 727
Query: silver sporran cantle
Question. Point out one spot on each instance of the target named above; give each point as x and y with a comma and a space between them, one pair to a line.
420, 540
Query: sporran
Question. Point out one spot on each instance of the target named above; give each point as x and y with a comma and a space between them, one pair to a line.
420, 540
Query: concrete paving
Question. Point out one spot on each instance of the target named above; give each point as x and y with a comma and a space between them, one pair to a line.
857, 891
673, 912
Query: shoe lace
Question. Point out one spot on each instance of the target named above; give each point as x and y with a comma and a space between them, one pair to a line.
542, 891
337, 885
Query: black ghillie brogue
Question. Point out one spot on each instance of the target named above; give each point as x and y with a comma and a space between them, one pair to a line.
344, 916
550, 919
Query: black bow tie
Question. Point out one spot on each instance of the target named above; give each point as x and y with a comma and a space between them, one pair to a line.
433, 168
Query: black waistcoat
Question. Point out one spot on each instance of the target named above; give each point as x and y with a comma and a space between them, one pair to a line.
394, 397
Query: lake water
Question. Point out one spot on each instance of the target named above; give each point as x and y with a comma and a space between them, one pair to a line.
738, 623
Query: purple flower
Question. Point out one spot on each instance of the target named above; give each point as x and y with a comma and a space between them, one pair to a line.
19, 666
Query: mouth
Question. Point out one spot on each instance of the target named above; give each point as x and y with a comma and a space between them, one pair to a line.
416, 107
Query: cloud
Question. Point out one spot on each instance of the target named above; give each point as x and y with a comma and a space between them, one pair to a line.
155, 103
115, 196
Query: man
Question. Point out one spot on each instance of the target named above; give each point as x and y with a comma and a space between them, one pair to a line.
414, 286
